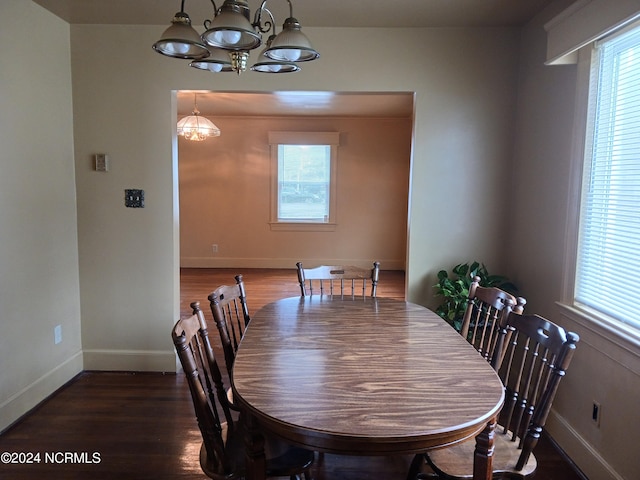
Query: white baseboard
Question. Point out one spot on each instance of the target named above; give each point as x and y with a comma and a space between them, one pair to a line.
588, 460
130, 360
222, 262
23, 401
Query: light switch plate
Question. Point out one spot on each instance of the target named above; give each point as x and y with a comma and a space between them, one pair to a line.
134, 198
101, 162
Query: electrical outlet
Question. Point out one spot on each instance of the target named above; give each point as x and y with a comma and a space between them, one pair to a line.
214, 248
596, 412
57, 334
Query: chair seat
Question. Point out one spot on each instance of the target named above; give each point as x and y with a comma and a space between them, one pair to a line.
457, 461
283, 460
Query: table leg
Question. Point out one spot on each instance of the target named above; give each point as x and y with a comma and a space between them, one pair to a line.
256, 463
483, 454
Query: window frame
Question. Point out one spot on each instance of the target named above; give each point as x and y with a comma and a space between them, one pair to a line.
331, 139
588, 317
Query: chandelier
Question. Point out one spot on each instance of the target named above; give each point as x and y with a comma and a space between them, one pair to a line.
231, 35
195, 127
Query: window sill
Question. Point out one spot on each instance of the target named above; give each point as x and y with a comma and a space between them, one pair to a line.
302, 227
623, 335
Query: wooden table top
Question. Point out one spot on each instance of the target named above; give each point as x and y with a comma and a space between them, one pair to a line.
362, 376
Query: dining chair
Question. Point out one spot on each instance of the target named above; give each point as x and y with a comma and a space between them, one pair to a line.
222, 453
536, 358
338, 280
484, 319
231, 314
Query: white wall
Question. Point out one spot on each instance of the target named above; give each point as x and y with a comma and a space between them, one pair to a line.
605, 368
39, 285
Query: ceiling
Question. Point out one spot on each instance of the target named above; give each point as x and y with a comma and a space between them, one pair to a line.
325, 13
299, 103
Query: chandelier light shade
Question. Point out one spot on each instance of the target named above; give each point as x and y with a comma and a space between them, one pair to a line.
217, 61
291, 45
231, 28
267, 65
229, 37
197, 128
181, 40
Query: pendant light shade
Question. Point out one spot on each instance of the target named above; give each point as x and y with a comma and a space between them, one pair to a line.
181, 40
197, 128
217, 61
291, 45
267, 65
231, 29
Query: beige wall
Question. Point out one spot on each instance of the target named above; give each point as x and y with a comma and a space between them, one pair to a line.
124, 106
471, 196
606, 367
225, 187
39, 285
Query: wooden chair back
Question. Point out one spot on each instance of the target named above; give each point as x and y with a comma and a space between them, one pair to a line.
231, 314
537, 356
222, 454
338, 280
484, 319
191, 340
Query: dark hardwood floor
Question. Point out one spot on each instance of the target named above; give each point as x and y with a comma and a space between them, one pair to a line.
115, 425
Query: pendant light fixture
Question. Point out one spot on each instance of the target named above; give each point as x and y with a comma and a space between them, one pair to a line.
230, 36
195, 127
269, 65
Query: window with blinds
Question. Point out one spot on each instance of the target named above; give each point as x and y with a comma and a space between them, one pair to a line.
608, 266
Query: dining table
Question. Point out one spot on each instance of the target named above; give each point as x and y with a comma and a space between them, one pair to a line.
362, 376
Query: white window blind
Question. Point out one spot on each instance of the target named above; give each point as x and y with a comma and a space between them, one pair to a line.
608, 267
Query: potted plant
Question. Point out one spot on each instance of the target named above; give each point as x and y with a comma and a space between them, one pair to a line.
455, 289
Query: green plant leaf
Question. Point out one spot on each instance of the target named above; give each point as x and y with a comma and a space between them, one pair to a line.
474, 269
461, 269
455, 289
